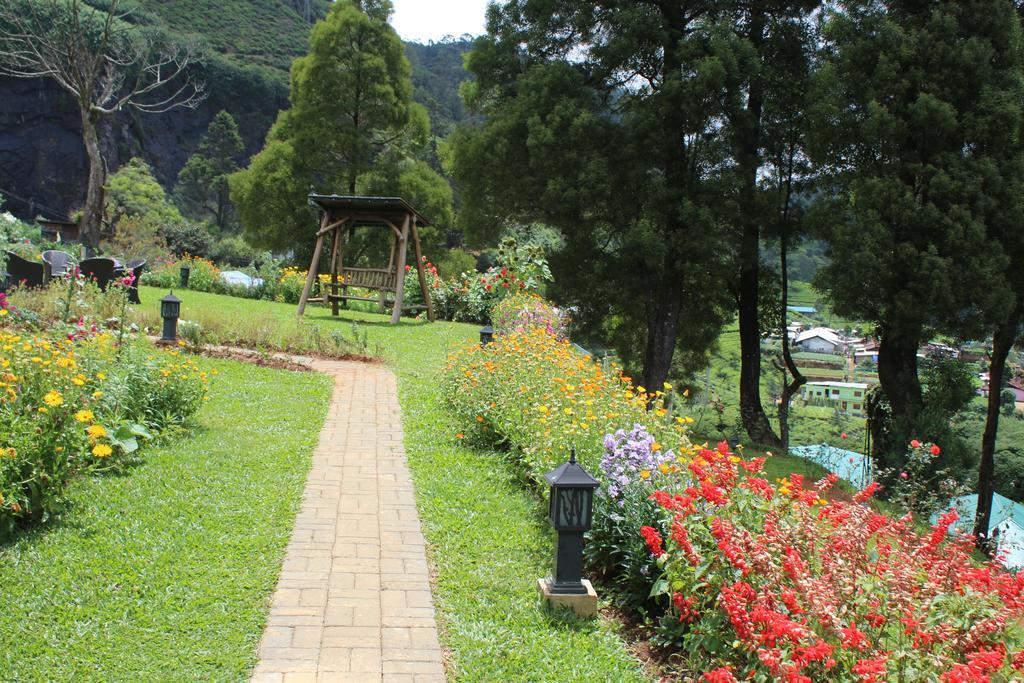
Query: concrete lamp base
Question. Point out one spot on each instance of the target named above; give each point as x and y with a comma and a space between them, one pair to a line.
583, 605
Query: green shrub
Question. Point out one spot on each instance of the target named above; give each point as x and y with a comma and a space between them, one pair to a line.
454, 262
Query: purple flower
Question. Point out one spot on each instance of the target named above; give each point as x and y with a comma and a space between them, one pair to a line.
628, 454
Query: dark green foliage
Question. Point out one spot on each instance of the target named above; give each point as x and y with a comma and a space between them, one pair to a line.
437, 73
627, 175
352, 130
1007, 401
914, 101
187, 238
232, 250
202, 187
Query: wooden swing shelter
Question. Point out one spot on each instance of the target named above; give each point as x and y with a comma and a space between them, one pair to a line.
340, 214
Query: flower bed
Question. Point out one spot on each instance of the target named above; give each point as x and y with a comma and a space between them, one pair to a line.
776, 582
72, 400
749, 579
538, 394
524, 311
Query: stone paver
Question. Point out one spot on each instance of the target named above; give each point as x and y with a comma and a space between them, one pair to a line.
353, 599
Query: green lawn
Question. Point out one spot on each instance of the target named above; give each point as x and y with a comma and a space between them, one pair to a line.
164, 572
488, 535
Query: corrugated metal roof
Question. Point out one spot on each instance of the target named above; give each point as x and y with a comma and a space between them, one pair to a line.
369, 205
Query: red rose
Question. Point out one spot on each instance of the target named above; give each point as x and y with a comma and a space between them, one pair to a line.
915, 444
935, 449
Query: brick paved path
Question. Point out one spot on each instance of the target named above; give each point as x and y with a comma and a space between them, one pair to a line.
353, 599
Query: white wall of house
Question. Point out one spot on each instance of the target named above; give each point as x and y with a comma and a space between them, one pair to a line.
818, 345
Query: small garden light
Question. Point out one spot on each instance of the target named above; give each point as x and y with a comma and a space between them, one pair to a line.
170, 310
486, 335
186, 271
570, 512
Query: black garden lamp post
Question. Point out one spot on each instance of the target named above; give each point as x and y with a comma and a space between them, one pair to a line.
486, 335
570, 511
170, 309
186, 271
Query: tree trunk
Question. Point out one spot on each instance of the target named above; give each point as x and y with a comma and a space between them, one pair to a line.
897, 375
789, 389
92, 211
1002, 341
755, 421
747, 123
662, 325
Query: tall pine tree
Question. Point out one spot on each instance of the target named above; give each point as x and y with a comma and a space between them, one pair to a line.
202, 188
352, 127
906, 130
604, 119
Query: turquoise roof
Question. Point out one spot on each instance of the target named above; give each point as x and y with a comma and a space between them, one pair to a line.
1002, 509
851, 466
803, 309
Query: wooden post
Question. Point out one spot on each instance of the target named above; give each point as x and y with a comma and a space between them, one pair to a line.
391, 266
334, 270
403, 243
313, 267
419, 269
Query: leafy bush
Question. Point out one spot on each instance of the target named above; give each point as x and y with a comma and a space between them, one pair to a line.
539, 395
203, 276
232, 250
454, 262
524, 311
72, 404
187, 238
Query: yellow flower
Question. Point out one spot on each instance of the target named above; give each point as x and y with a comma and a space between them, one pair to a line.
53, 399
3, 312
97, 394
100, 376
102, 450
543, 410
96, 431
645, 474
84, 416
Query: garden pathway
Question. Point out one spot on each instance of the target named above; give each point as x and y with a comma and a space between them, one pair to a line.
353, 600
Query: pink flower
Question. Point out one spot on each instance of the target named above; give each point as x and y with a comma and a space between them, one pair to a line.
915, 443
935, 450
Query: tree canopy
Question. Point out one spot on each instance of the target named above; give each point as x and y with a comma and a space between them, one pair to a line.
202, 187
352, 127
913, 105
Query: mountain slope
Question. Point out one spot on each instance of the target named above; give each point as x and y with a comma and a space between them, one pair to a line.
248, 47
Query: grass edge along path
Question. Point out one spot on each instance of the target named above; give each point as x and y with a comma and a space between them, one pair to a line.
488, 536
165, 572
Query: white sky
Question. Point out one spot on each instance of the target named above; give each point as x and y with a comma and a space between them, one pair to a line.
424, 20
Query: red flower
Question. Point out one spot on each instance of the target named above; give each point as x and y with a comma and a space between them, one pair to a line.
870, 670
843, 435
935, 449
866, 493
720, 675
915, 443
653, 539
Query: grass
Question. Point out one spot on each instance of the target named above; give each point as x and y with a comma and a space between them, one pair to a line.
488, 534
164, 572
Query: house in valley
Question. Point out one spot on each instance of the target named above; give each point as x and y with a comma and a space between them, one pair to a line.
820, 340
848, 397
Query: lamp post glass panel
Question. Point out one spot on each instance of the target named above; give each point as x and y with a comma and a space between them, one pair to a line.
170, 310
570, 511
486, 335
